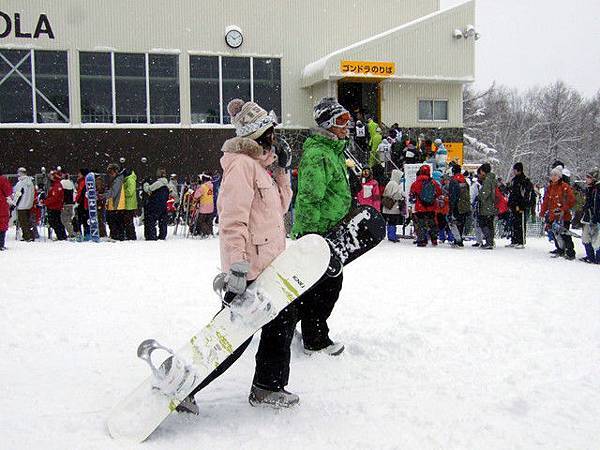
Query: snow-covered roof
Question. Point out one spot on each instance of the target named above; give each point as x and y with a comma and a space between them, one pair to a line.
392, 45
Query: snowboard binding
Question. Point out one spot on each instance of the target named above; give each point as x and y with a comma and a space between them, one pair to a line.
173, 375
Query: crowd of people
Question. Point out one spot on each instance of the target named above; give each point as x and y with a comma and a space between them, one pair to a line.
444, 204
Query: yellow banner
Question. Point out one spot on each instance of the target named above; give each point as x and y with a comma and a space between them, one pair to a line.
455, 152
376, 69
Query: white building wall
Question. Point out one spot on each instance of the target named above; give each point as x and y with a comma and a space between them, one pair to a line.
400, 103
298, 32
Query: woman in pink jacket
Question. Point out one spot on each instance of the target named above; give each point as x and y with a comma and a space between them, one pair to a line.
251, 205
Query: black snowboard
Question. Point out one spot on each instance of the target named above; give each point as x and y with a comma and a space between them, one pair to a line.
360, 231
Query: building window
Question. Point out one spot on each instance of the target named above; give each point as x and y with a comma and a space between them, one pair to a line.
163, 72
95, 72
236, 81
204, 87
433, 110
129, 88
216, 80
267, 84
34, 86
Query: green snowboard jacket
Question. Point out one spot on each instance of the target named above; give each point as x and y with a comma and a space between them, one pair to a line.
323, 197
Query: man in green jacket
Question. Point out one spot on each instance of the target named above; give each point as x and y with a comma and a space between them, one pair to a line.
486, 201
323, 200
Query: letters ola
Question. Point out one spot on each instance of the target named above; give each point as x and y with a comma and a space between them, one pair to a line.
6, 27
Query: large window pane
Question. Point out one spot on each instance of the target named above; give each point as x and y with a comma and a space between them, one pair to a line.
164, 88
440, 110
204, 87
52, 87
425, 110
96, 87
16, 101
236, 82
130, 87
267, 84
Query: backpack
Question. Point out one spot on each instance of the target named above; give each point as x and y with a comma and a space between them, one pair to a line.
427, 194
464, 199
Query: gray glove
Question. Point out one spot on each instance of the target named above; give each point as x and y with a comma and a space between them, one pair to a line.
235, 281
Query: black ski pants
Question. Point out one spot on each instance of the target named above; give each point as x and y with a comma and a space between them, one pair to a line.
116, 224
273, 356
486, 223
315, 307
152, 218
55, 223
425, 227
519, 227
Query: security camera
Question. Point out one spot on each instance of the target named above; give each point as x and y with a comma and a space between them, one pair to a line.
477, 36
457, 34
122, 160
470, 31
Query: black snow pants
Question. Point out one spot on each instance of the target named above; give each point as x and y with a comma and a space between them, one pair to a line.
56, 224
315, 307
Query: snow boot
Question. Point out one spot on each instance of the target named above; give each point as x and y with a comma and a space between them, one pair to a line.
519, 246
589, 253
598, 256
272, 399
188, 405
391, 233
333, 349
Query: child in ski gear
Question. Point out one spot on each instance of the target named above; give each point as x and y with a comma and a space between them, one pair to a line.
486, 201
424, 193
252, 205
393, 205
323, 200
591, 217
203, 206
556, 209
370, 192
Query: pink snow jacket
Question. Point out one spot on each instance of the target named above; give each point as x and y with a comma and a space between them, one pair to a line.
251, 206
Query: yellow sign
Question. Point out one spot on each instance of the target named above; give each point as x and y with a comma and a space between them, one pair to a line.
455, 152
376, 69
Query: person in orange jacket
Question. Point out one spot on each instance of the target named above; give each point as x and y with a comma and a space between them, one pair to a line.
556, 209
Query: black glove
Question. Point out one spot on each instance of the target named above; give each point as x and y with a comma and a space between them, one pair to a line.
283, 152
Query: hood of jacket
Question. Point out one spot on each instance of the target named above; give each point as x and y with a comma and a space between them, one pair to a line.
234, 147
396, 176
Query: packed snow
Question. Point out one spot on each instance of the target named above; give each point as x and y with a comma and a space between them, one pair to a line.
445, 348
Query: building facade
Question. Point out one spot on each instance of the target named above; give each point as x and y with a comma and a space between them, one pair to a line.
84, 83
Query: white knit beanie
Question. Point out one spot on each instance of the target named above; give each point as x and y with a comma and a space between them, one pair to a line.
250, 120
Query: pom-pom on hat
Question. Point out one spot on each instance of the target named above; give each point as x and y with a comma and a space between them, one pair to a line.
249, 119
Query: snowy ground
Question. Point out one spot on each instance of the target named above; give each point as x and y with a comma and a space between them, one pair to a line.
446, 349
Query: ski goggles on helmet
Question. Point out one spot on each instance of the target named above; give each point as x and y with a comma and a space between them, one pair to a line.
342, 120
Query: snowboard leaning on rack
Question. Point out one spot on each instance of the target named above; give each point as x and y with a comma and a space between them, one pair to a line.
90, 186
291, 274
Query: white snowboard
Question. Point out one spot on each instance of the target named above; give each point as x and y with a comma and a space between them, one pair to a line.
291, 274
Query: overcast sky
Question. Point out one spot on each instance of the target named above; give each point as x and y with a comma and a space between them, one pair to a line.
535, 42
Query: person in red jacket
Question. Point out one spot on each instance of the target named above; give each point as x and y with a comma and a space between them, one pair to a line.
54, 205
424, 193
556, 209
5, 191
81, 208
